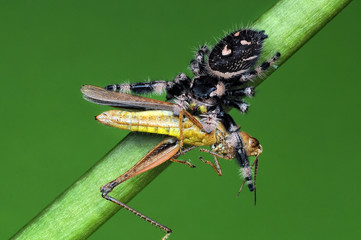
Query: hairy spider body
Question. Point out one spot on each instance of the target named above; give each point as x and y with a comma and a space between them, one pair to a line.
219, 82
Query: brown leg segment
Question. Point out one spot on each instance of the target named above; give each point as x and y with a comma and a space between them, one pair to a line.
192, 119
173, 159
164, 228
216, 154
216, 167
159, 154
183, 162
181, 132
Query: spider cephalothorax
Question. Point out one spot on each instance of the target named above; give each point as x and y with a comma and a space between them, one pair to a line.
220, 81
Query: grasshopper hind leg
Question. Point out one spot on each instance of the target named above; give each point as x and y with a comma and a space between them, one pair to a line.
139, 214
164, 151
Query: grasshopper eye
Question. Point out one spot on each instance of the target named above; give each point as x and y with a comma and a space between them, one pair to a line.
254, 143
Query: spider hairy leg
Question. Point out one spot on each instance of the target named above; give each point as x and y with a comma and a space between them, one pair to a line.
238, 104
236, 142
157, 87
261, 68
179, 84
198, 64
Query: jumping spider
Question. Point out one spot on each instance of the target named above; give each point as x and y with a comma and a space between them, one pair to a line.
219, 82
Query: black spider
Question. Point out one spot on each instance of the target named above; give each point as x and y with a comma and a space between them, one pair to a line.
219, 82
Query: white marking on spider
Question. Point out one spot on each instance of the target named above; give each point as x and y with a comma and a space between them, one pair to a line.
233, 128
233, 139
249, 92
250, 58
245, 42
258, 70
246, 173
220, 90
159, 88
181, 104
243, 107
227, 75
226, 51
125, 88
180, 77
236, 34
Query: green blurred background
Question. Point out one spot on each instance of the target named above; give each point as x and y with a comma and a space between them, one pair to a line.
306, 115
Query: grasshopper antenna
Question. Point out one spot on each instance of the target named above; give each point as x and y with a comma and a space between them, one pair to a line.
255, 179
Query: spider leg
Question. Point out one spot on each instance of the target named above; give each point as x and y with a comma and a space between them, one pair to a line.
259, 70
255, 163
173, 88
246, 171
179, 86
235, 140
226, 89
198, 65
238, 104
157, 87
242, 92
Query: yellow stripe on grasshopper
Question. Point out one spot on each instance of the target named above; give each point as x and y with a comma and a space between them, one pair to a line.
159, 122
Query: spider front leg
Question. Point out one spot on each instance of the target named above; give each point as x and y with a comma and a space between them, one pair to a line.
235, 141
180, 85
198, 64
173, 88
255, 163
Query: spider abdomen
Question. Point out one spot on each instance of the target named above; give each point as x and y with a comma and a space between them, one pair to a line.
236, 53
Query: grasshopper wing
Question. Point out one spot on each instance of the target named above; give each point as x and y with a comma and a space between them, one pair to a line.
101, 96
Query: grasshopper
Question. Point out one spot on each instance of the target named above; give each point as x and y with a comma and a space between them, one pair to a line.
165, 123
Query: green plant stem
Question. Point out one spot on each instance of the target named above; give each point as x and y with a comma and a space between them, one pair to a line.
80, 210
289, 24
